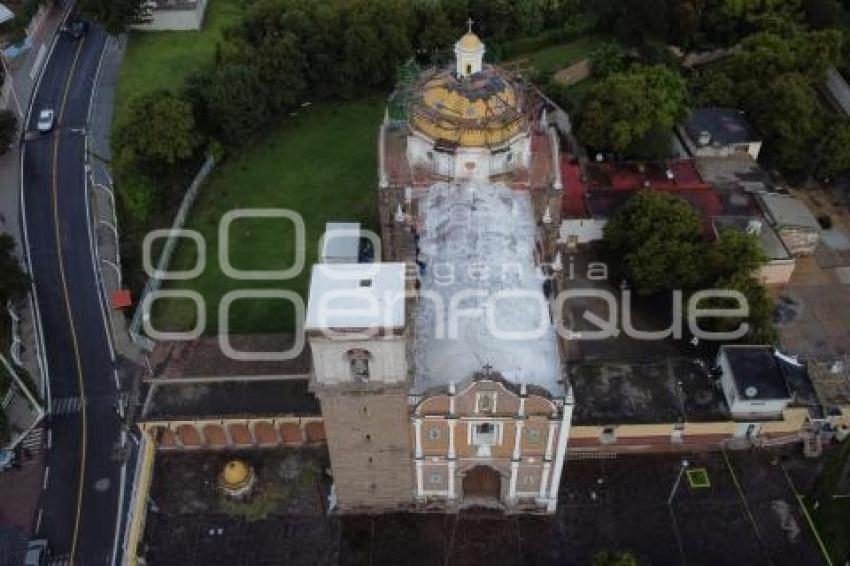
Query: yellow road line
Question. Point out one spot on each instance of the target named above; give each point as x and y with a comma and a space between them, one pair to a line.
808, 517
746, 506
74, 342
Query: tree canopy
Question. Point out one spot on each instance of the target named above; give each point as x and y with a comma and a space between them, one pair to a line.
114, 15
160, 131
624, 107
13, 280
655, 241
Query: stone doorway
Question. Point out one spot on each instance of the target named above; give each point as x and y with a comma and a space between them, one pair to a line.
482, 483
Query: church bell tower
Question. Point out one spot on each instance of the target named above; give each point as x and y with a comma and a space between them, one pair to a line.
357, 328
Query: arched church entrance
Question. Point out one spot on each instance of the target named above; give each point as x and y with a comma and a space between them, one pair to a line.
482, 482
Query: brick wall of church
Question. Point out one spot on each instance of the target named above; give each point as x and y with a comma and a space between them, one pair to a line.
369, 445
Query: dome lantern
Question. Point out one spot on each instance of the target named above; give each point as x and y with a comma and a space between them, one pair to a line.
469, 53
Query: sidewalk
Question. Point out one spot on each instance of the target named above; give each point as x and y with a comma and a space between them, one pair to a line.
104, 214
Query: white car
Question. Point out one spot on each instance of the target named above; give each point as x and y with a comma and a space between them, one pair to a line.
45, 120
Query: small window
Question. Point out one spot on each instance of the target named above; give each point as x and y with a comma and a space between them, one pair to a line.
485, 434
433, 433
436, 479
533, 435
359, 364
430, 156
468, 69
510, 157
609, 435
528, 480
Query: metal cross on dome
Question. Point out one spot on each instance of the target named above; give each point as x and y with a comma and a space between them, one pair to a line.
487, 368
469, 23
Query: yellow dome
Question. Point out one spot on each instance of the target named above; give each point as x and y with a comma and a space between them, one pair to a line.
484, 110
236, 474
470, 42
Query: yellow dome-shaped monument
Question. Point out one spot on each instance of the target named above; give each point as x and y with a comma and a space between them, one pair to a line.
237, 478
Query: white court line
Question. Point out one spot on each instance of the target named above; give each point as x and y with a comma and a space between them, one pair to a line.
49, 438
46, 477
117, 383
38, 520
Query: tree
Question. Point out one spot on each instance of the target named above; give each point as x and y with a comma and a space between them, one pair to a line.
231, 101
821, 14
114, 15
835, 152
766, 55
612, 558
787, 112
734, 252
8, 129
159, 132
624, 107
13, 280
656, 242
712, 88
608, 58
758, 303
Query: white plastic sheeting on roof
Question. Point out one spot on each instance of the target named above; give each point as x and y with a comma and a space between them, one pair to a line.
479, 238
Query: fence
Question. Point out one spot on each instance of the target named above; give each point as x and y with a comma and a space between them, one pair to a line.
154, 281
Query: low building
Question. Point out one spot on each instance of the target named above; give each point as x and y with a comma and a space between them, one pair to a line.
341, 243
719, 132
755, 381
793, 221
172, 15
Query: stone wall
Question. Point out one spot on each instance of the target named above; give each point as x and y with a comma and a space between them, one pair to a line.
369, 446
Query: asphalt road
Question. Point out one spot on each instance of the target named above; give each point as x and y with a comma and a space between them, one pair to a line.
80, 502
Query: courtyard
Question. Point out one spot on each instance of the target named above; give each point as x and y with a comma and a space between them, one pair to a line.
747, 514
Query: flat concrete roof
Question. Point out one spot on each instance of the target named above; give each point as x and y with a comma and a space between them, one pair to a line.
645, 392
341, 243
179, 400
784, 210
757, 373
356, 295
725, 125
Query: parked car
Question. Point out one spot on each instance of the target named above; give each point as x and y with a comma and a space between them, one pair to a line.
7, 459
45, 120
38, 553
76, 28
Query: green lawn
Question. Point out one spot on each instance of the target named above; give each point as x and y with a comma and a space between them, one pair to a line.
556, 57
322, 165
163, 59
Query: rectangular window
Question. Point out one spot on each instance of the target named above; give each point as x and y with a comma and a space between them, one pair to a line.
609, 435
485, 402
485, 434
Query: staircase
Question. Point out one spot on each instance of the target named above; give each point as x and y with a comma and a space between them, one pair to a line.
34, 440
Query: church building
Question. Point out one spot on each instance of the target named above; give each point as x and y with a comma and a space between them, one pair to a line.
438, 370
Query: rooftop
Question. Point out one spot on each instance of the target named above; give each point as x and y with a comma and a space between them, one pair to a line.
356, 295
204, 357
757, 373
175, 399
673, 390
784, 210
479, 238
725, 126
341, 242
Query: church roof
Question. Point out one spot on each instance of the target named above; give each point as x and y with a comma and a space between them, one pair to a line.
470, 42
